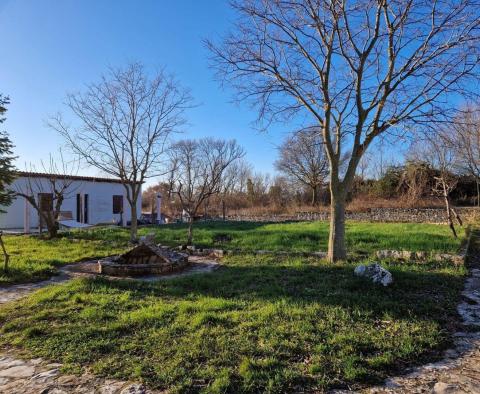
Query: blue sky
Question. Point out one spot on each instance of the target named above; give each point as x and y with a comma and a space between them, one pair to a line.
52, 47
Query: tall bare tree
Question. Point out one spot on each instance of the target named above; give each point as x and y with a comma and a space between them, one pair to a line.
356, 69
230, 179
124, 122
302, 158
465, 137
199, 166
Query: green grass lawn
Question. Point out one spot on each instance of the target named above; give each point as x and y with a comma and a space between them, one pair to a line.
298, 236
34, 259
260, 324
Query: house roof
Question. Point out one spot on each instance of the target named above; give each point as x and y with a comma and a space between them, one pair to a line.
29, 174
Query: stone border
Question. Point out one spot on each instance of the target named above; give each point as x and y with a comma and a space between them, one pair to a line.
218, 253
393, 255
421, 256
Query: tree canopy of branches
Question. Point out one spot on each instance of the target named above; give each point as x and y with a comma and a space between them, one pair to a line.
302, 158
7, 167
355, 69
125, 121
55, 185
198, 167
465, 137
440, 154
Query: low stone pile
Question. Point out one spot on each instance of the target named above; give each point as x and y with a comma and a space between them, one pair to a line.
375, 272
408, 255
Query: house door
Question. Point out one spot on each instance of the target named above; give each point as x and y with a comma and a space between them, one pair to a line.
82, 208
45, 202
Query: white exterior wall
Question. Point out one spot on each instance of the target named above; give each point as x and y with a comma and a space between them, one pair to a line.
100, 202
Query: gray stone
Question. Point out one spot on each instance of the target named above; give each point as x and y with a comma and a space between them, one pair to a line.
111, 387
10, 362
20, 371
445, 388
44, 376
218, 252
134, 389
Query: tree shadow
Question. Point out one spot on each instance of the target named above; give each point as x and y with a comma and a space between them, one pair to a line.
420, 294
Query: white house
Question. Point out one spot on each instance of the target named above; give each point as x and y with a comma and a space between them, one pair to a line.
89, 200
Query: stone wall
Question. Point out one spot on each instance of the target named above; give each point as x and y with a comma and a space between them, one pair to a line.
406, 215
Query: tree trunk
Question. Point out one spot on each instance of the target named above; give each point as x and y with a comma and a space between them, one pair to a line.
52, 229
457, 216
133, 222
449, 211
51, 223
190, 231
314, 195
336, 242
223, 209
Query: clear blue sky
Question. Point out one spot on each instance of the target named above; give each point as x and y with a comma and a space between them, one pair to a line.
52, 47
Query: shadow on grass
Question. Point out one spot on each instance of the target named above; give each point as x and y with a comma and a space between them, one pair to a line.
417, 294
257, 323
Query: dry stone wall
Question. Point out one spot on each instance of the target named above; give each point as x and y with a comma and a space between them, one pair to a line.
405, 215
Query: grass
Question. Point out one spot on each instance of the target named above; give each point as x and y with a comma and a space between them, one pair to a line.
298, 236
33, 258
260, 324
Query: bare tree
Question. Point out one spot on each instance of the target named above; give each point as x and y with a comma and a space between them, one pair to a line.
303, 158
198, 171
124, 123
416, 177
230, 178
440, 154
47, 190
357, 69
465, 137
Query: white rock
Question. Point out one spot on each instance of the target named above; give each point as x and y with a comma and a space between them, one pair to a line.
375, 272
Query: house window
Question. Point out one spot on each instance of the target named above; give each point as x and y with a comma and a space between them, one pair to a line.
117, 204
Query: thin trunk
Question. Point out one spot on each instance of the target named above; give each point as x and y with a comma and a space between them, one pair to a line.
457, 216
336, 242
449, 211
223, 209
6, 257
314, 195
190, 231
133, 222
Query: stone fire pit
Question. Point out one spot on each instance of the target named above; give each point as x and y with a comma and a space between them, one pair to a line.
143, 260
